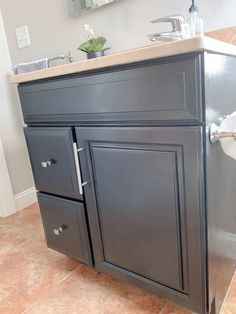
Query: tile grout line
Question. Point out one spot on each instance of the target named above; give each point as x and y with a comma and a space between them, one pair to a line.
165, 305
27, 237
227, 294
50, 290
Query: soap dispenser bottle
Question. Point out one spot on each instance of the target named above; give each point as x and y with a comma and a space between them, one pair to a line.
195, 22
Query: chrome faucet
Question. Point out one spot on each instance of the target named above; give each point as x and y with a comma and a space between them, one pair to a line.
179, 29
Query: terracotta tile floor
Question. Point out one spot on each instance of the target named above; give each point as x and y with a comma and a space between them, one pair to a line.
35, 279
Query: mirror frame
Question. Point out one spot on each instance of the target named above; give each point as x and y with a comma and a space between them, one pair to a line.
73, 13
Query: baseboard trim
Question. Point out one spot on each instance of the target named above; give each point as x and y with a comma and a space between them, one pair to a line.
25, 198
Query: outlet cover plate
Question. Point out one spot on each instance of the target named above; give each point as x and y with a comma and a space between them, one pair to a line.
22, 35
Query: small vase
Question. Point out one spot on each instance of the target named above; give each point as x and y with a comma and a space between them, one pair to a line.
96, 54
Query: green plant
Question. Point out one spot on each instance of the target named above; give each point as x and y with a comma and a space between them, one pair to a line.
92, 44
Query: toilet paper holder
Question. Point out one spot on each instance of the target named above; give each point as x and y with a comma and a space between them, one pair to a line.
216, 134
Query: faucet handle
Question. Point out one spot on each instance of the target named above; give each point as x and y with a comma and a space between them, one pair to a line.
175, 20
70, 57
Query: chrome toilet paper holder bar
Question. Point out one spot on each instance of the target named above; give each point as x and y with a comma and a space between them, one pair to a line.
216, 134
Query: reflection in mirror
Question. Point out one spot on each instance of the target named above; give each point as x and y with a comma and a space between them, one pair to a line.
78, 7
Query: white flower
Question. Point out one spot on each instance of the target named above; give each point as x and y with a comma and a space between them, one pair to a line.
88, 29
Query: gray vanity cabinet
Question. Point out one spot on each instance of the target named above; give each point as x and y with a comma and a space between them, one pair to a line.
53, 161
128, 180
149, 235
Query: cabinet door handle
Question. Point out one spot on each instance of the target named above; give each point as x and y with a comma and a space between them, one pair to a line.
77, 166
59, 231
46, 164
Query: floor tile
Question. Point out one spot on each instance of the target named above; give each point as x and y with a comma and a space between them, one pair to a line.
35, 279
170, 308
29, 213
27, 222
229, 306
87, 292
27, 271
9, 239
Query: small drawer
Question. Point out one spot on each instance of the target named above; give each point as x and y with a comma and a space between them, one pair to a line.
65, 227
54, 161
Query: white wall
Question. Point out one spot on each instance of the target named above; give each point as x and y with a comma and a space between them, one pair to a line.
11, 125
7, 201
125, 23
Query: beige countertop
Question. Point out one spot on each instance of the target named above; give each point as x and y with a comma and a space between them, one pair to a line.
154, 51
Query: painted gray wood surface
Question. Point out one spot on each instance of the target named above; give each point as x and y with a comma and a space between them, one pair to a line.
155, 91
54, 145
145, 207
58, 213
221, 179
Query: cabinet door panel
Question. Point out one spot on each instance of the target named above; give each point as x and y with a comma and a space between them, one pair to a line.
144, 201
138, 209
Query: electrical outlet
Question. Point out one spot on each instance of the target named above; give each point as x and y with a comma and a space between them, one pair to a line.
22, 35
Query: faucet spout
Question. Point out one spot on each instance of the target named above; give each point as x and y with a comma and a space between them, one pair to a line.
165, 36
179, 30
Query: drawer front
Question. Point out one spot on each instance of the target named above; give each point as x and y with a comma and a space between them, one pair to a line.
65, 227
53, 161
154, 91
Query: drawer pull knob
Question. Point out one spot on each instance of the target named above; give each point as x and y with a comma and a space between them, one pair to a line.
46, 164
59, 231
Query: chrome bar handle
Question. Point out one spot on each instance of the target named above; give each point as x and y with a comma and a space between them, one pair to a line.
77, 166
216, 134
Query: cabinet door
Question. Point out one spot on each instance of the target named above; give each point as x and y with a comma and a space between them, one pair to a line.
54, 161
65, 227
144, 203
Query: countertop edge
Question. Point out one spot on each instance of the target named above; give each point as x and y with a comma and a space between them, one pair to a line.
150, 52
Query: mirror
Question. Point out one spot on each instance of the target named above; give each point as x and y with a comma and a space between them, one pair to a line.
78, 7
